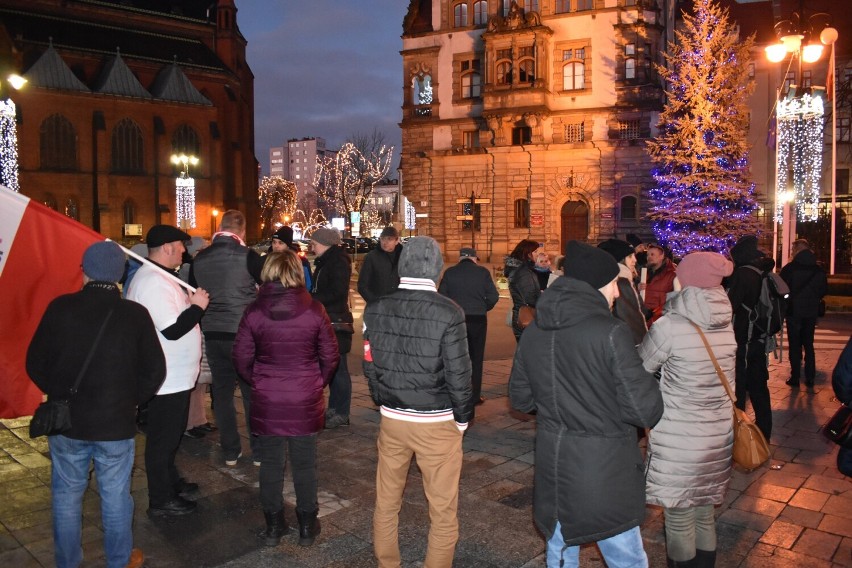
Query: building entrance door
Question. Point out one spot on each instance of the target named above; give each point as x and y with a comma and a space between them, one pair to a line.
575, 222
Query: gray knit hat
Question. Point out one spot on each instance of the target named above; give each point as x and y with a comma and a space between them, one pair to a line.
104, 261
421, 258
327, 237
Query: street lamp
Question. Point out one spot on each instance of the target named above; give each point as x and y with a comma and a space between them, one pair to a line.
828, 36
185, 191
9, 134
215, 214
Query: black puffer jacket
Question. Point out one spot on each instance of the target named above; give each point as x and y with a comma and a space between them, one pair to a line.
418, 346
379, 275
523, 287
744, 291
332, 272
807, 284
577, 366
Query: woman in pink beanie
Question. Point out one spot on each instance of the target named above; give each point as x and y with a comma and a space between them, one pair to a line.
689, 450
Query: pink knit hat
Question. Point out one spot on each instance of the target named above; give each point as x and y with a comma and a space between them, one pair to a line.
703, 269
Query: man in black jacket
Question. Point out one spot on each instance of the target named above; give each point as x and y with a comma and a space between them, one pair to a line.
577, 366
418, 371
472, 288
379, 275
332, 273
126, 369
752, 373
808, 285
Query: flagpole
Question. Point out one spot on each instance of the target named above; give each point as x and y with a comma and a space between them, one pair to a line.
144, 260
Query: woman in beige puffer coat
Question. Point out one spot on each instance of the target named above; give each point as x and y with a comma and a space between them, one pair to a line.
689, 450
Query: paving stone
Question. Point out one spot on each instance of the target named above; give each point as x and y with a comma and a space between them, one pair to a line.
746, 519
809, 499
769, 491
783, 478
826, 484
840, 506
836, 525
782, 534
757, 505
817, 544
843, 555
803, 517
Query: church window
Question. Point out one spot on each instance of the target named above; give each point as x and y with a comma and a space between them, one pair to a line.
57, 144
127, 148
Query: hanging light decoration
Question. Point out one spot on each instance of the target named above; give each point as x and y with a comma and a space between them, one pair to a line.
185, 192
800, 139
8, 146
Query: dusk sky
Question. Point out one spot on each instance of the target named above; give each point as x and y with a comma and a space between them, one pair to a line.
324, 68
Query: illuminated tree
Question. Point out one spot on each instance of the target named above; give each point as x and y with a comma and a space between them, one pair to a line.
346, 180
277, 199
703, 199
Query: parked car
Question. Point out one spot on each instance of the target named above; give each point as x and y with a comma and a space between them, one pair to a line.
363, 244
350, 245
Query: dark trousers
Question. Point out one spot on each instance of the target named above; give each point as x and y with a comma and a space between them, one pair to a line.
340, 389
225, 380
166, 423
800, 334
477, 328
303, 465
752, 376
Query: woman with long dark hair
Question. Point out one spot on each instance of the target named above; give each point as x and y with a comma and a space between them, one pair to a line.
523, 283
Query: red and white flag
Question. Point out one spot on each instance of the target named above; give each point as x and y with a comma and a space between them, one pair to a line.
40, 256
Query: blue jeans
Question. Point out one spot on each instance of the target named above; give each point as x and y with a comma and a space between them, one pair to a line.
623, 550
69, 479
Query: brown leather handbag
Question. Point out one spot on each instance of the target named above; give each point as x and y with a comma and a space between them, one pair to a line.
526, 315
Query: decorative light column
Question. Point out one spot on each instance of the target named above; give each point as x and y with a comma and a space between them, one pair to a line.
9, 135
185, 191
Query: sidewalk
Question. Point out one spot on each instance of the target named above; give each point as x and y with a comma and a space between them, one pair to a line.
796, 512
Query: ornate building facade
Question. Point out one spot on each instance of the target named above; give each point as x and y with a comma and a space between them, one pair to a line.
118, 87
528, 119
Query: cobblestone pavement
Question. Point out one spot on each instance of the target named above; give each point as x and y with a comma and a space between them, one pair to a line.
795, 512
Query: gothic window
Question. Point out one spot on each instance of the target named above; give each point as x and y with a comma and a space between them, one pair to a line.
563, 6
628, 208
628, 129
584, 5
521, 135
72, 208
574, 69
575, 133
57, 144
460, 15
129, 210
480, 13
522, 214
185, 141
127, 148
530, 6
50, 201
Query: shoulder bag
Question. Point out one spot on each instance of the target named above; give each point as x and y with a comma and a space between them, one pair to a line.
750, 448
526, 315
838, 429
53, 416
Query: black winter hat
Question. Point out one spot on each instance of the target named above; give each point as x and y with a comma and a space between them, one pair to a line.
617, 248
284, 234
590, 264
745, 250
158, 235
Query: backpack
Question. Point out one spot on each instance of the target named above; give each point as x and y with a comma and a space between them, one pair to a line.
766, 318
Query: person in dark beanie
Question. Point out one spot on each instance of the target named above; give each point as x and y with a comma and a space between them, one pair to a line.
332, 273
282, 239
590, 393
418, 370
379, 275
752, 374
472, 288
628, 306
808, 284
126, 369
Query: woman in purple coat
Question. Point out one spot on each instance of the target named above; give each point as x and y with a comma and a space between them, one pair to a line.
286, 350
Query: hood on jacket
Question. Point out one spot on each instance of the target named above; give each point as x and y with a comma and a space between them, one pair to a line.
805, 257
709, 308
279, 303
512, 264
569, 302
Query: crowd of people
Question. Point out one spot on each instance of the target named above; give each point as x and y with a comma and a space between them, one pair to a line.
620, 346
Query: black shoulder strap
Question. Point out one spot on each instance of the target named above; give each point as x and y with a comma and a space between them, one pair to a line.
88, 360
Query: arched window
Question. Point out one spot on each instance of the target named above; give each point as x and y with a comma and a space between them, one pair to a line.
185, 141
504, 73
50, 201
127, 148
480, 13
57, 144
460, 15
526, 71
522, 214
628, 208
72, 208
574, 69
470, 85
129, 210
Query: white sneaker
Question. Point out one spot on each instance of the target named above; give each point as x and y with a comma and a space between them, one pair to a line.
256, 463
233, 462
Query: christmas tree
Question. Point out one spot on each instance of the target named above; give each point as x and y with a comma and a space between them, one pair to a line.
703, 199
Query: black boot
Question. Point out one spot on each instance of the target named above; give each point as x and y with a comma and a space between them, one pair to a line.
682, 564
705, 558
276, 527
309, 527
